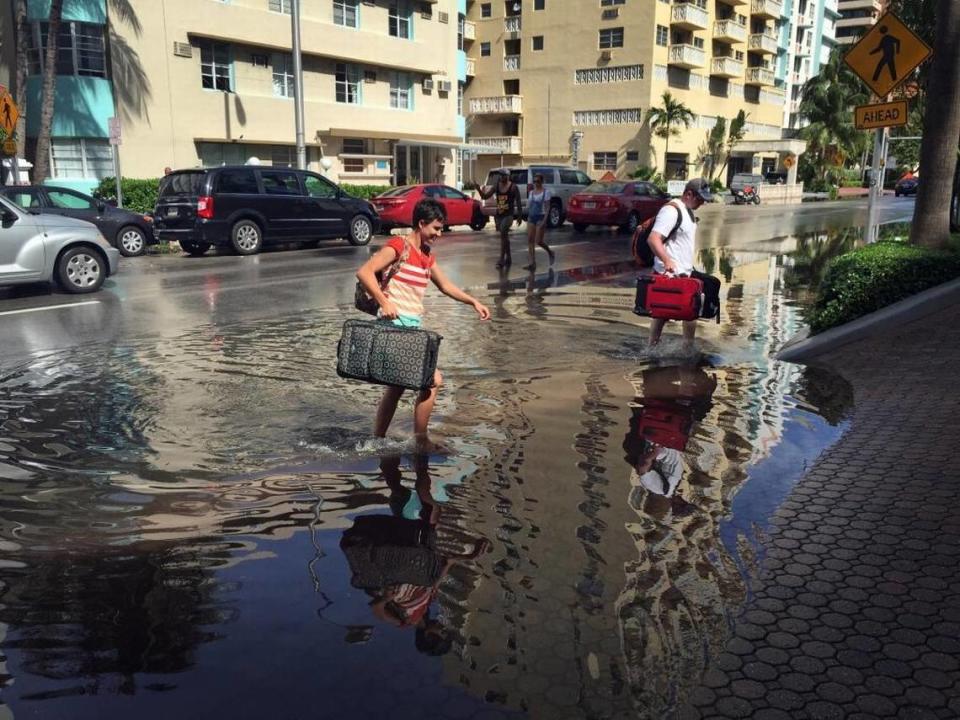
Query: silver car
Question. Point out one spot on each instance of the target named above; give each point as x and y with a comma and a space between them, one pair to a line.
560, 180
44, 248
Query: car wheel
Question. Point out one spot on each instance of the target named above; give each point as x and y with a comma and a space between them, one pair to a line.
81, 270
361, 230
131, 242
633, 221
246, 237
555, 215
580, 227
896, 193
479, 222
191, 247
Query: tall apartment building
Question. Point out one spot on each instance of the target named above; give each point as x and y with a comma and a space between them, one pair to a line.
205, 82
812, 38
572, 80
856, 17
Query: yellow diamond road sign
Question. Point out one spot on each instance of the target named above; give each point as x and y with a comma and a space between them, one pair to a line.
887, 54
8, 113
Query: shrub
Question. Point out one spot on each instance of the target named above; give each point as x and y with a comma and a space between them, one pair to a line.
717, 185
872, 277
365, 192
644, 173
138, 195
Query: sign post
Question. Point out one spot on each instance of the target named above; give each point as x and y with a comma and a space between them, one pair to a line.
883, 58
115, 139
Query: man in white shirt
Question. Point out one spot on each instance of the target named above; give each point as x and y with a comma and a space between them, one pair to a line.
673, 247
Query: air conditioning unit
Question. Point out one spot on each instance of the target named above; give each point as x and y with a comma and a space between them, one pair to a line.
259, 60
427, 83
444, 86
182, 49
443, 17
606, 54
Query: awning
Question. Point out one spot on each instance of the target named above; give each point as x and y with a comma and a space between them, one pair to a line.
451, 141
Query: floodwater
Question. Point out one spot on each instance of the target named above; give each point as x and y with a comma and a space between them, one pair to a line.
202, 526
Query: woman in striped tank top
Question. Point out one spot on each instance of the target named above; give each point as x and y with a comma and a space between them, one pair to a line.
401, 300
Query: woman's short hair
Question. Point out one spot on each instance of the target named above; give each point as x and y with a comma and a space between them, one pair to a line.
427, 211
538, 176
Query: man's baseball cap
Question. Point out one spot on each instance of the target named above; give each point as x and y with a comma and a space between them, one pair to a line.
700, 187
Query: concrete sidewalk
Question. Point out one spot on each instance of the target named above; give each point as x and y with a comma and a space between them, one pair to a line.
857, 614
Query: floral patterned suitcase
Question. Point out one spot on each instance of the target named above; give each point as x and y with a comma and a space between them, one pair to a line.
385, 354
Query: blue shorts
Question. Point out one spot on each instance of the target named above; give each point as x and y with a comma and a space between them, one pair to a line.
536, 219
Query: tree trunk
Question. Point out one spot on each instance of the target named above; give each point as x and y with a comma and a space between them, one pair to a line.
941, 133
41, 168
21, 29
666, 151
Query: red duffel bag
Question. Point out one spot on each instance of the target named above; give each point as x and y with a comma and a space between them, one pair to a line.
670, 297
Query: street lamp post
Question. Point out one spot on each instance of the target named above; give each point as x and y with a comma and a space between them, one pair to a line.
298, 84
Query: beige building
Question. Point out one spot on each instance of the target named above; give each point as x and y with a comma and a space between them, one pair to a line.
856, 17
572, 81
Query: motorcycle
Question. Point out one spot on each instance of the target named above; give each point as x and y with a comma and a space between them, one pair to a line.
747, 195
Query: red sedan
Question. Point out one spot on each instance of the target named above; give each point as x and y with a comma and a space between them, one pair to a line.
623, 203
395, 206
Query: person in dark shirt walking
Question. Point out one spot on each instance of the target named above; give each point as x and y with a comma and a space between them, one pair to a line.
508, 210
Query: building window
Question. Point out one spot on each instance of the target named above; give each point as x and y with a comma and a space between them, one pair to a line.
539, 4
461, 26
538, 42
663, 35
605, 160
484, 49
283, 156
698, 42
80, 49
617, 73
633, 156
353, 146
459, 98
348, 84
401, 91
81, 158
280, 6
353, 165
605, 3
738, 55
215, 65
345, 13
400, 20
611, 38
486, 10
282, 75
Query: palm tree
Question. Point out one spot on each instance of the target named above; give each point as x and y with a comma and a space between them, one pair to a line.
712, 148
21, 29
738, 128
41, 167
941, 129
665, 119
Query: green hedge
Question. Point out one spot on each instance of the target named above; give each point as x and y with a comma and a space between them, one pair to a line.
365, 192
872, 277
138, 195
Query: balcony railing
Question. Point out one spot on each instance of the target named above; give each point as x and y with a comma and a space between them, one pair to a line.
690, 16
469, 30
760, 76
512, 24
471, 67
726, 67
496, 105
687, 56
729, 30
767, 8
511, 62
763, 43
511, 145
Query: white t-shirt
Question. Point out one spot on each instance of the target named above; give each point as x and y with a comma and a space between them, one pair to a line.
671, 473
680, 247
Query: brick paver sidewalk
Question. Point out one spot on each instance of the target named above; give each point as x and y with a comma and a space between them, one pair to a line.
858, 613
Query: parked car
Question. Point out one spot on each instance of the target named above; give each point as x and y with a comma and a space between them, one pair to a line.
395, 206
128, 231
622, 203
247, 206
740, 180
38, 247
906, 186
560, 180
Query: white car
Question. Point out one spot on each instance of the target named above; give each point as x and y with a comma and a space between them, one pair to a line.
45, 248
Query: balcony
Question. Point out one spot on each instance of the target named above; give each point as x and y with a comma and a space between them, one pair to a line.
496, 105
760, 76
512, 24
763, 44
687, 56
469, 30
510, 145
471, 67
689, 17
770, 9
726, 67
729, 31
511, 62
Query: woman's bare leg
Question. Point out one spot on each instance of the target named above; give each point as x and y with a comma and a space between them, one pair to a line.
386, 409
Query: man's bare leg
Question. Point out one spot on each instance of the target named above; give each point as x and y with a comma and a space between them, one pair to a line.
689, 333
656, 329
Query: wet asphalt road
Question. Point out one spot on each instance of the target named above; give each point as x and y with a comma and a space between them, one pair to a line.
163, 294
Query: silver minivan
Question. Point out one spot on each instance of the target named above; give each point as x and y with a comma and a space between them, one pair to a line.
562, 182
44, 248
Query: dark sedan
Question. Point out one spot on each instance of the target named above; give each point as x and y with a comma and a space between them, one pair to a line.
128, 231
906, 186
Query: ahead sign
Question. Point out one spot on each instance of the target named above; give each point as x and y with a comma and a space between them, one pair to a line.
871, 117
887, 54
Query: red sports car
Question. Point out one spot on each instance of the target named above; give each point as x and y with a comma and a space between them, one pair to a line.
620, 202
395, 206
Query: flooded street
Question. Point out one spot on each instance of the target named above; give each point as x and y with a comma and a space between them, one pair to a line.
197, 522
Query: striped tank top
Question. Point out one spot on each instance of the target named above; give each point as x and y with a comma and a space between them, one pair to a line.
409, 284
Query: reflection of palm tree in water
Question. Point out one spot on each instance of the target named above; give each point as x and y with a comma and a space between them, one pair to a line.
889, 45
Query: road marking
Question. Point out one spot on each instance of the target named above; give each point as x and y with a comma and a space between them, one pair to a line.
49, 307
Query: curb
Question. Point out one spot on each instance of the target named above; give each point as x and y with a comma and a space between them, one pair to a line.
802, 347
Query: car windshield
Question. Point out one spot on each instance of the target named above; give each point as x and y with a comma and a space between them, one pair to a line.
182, 183
397, 191
613, 188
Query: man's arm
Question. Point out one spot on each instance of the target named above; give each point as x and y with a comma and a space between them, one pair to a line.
485, 194
516, 200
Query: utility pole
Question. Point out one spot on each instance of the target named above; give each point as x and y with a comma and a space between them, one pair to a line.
298, 84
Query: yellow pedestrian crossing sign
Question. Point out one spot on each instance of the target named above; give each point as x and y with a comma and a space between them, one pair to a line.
887, 54
8, 113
